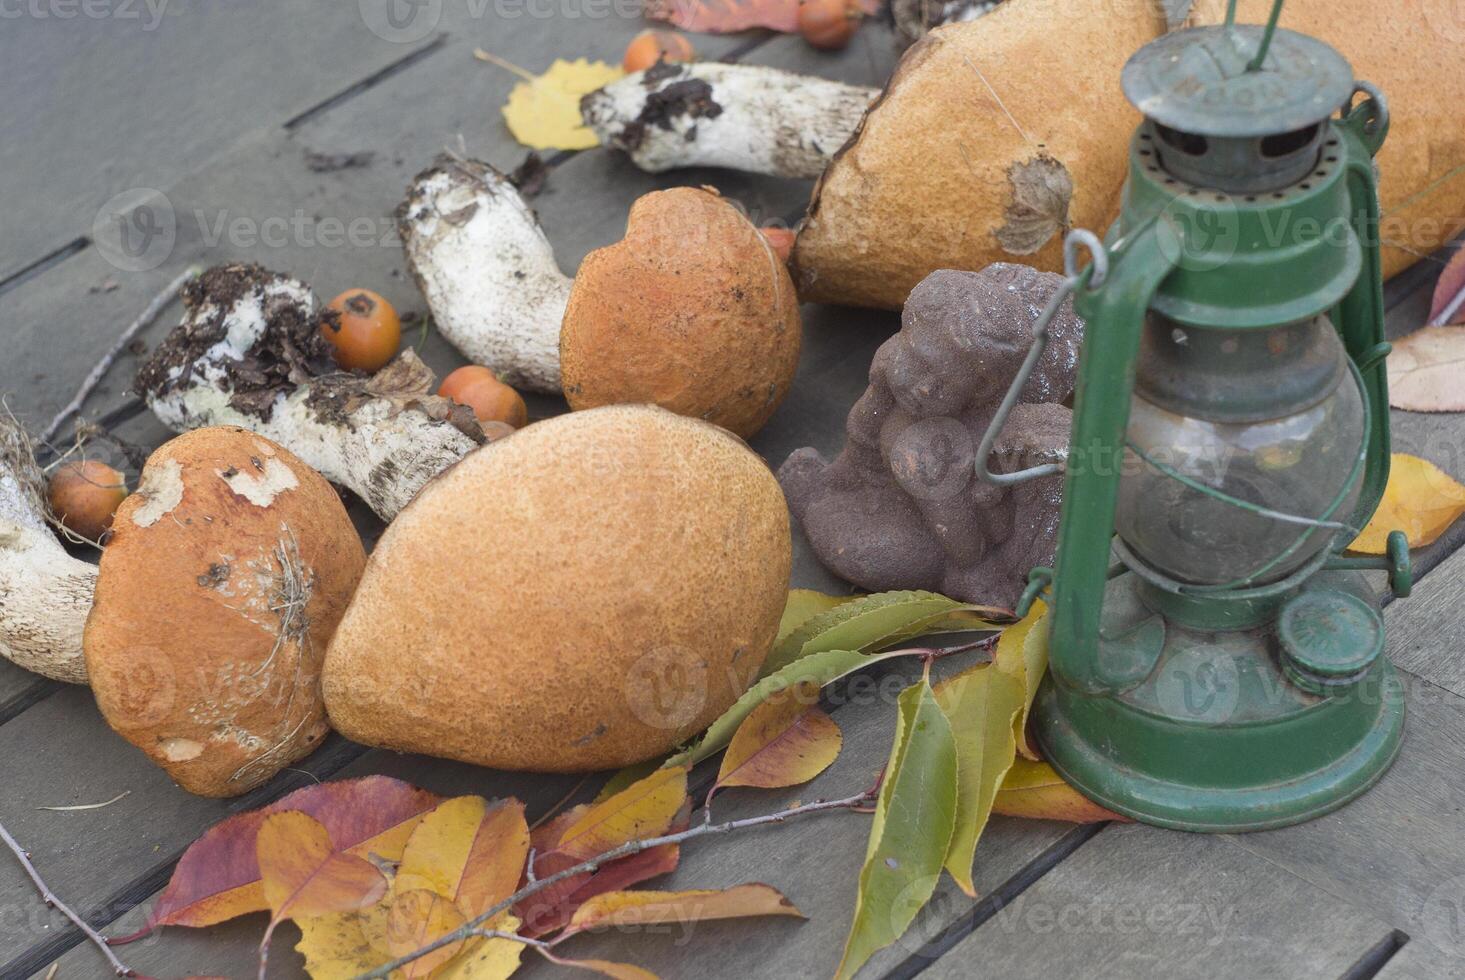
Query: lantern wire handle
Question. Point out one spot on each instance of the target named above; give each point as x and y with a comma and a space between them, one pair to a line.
1094, 274
1267, 33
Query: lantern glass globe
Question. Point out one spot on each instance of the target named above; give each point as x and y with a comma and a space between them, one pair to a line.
1270, 417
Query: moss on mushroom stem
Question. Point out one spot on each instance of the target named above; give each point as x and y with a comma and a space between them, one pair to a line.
487, 271
45, 594
744, 117
249, 353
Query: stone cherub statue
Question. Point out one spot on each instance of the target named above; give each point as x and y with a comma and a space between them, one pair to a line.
902, 507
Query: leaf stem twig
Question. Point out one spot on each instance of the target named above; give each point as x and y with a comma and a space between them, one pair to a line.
148, 315
475, 926
52, 901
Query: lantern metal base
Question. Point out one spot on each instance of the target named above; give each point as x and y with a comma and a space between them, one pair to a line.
1217, 736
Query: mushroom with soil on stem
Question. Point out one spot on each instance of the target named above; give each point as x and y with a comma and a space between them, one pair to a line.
692, 310
743, 117
45, 593
249, 353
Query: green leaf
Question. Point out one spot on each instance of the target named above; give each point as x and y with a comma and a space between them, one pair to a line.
819, 668
803, 605
981, 704
914, 821
1022, 652
874, 622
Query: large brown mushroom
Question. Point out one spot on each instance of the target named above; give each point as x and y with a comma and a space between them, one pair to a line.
692, 310
225, 577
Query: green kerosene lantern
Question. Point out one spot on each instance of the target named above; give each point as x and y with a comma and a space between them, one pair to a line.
1216, 663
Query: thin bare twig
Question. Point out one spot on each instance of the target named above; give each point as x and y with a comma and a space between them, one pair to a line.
53, 902
473, 927
156, 307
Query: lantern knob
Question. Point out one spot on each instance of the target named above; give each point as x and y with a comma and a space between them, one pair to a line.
1222, 123
1330, 640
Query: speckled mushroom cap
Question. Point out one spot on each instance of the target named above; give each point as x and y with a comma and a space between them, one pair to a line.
225, 577
586, 593
692, 310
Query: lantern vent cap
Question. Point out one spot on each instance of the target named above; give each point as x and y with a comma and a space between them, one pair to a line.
1196, 81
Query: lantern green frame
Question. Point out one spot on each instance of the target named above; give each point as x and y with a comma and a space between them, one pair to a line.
1314, 711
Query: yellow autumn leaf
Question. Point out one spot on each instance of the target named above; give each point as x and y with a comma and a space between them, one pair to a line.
1022, 652
341, 947
1421, 500
983, 705
543, 111
1034, 790
468, 851
487, 958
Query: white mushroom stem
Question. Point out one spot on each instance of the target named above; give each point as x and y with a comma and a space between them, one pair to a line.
381, 437
744, 117
45, 594
487, 271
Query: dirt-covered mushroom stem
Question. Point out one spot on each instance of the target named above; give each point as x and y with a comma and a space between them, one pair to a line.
249, 352
487, 271
45, 593
743, 117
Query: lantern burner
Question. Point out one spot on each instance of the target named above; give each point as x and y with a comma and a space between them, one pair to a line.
1227, 110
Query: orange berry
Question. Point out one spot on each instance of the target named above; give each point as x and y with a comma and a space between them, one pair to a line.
366, 335
84, 496
649, 47
491, 400
828, 24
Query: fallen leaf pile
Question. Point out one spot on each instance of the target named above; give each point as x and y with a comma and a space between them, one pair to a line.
374, 871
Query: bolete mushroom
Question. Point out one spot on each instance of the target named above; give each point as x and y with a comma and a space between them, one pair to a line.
249, 352
692, 311
995, 136
743, 117
45, 593
588, 593
225, 577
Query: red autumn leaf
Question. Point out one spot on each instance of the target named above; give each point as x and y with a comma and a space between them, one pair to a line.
551, 909
1448, 305
726, 16
218, 876
731, 16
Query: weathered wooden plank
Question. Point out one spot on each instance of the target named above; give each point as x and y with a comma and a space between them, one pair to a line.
1426, 629
119, 95
1142, 902
1424, 961
1396, 852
